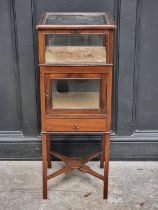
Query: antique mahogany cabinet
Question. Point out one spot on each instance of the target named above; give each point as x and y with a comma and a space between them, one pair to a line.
76, 59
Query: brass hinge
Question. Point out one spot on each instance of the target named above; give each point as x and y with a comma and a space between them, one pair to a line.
47, 94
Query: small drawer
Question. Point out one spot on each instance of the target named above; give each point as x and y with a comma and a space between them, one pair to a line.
76, 125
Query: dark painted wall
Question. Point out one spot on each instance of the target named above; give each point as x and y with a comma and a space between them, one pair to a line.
135, 97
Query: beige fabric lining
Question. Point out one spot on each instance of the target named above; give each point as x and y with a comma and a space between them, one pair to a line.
75, 55
80, 100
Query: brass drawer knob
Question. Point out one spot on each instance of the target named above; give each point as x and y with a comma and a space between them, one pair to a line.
76, 127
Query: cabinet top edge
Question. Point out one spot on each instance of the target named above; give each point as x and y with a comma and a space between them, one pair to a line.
53, 20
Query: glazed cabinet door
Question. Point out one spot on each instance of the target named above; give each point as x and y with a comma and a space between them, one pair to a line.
72, 93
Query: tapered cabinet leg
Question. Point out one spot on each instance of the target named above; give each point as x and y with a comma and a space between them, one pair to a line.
44, 157
48, 151
106, 165
102, 157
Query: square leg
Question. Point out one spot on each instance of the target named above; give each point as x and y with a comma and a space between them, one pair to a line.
44, 162
106, 165
102, 156
48, 151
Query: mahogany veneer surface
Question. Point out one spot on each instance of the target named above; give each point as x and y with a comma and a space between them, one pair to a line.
76, 125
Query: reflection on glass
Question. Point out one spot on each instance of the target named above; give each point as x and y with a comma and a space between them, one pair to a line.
75, 94
75, 19
75, 49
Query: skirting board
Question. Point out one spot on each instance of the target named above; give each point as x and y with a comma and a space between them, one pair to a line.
122, 148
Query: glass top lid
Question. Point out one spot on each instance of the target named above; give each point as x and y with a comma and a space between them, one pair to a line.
56, 20
78, 19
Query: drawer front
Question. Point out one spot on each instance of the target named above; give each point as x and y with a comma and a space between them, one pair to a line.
76, 125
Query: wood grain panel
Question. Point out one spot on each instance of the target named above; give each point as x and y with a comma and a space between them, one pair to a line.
75, 125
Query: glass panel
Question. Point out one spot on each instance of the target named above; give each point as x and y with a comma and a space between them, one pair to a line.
76, 94
75, 20
75, 49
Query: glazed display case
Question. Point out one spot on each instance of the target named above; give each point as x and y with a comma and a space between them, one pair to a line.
75, 59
